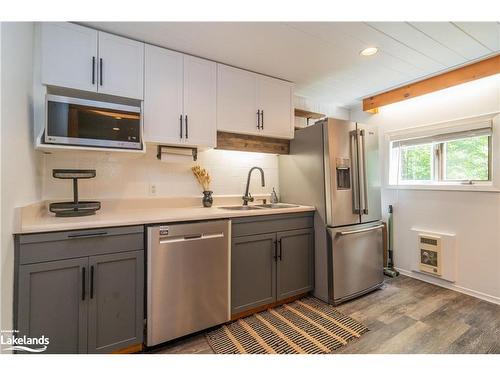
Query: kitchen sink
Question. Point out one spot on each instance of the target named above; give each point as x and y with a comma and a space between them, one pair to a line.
241, 208
276, 205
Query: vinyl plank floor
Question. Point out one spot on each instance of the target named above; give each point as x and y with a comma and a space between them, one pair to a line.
405, 316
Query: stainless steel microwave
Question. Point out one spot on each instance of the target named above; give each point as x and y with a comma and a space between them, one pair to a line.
81, 122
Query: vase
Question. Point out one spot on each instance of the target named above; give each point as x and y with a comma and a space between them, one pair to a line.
207, 198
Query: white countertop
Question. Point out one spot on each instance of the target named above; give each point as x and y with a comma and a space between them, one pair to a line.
36, 218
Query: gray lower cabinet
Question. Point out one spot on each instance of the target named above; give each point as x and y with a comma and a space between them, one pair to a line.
116, 301
91, 302
295, 274
272, 258
52, 303
253, 271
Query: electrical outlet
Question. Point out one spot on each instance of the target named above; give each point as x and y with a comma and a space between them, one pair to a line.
152, 189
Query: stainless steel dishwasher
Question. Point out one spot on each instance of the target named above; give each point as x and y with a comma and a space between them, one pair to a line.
188, 286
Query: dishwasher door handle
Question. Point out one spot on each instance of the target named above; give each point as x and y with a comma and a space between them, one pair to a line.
191, 237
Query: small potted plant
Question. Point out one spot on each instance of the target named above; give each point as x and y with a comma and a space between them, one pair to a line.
203, 178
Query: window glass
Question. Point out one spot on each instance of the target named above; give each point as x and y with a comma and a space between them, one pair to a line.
416, 163
467, 159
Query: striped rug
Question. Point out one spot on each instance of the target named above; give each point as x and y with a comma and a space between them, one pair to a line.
305, 326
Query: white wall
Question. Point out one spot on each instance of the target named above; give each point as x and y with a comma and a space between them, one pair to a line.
20, 165
473, 216
121, 175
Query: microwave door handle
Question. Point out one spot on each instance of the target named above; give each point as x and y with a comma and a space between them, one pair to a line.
362, 134
354, 158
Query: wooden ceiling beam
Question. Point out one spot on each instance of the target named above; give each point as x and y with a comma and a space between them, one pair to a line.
467, 73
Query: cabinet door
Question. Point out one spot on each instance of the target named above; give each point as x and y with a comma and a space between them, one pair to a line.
163, 95
68, 55
121, 66
200, 102
253, 271
275, 99
295, 273
236, 100
115, 301
52, 302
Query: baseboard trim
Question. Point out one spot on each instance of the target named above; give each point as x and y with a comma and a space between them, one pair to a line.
447, 285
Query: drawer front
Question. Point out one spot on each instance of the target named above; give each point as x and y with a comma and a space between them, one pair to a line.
271, 223
34, 248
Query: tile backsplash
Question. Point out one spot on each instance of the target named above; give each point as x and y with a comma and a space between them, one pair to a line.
127, 175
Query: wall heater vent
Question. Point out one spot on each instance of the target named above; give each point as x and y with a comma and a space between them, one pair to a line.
434, 254
430, 253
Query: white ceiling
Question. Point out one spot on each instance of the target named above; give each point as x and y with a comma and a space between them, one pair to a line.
322, 58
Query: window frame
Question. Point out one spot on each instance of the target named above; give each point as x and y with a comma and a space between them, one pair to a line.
438, 162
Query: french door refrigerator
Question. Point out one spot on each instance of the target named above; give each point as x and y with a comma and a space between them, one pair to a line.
333, 165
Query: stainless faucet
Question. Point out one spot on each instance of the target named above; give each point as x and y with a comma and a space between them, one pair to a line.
248, 197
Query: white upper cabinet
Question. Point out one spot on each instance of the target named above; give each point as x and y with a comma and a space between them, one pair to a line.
180, 103
200, 101
274, 99
163, 96
250, 103
236, 100
68, 56
121, 66
77, 57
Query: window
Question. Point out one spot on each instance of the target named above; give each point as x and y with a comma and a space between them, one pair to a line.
416, 163
442, 158
467, 159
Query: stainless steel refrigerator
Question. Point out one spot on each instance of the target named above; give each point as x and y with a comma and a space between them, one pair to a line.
334, 166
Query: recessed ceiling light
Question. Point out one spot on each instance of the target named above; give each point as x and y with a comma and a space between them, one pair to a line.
369, 51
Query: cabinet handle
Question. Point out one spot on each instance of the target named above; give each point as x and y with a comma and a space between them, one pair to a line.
262, 120
100, 71
187, 136
93, 234
93, 70
83, 284
91, 282
180, 124
280, 256
258, 119
275, 255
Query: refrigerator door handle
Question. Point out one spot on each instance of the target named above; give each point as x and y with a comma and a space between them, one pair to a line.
360, 230
355, 175
362, 164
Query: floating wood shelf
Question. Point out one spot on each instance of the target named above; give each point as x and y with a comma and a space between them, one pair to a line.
308, 114
252, 143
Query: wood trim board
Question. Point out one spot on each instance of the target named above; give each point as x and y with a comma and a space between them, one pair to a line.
308, 114
259, 309
252, 143
467, 73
